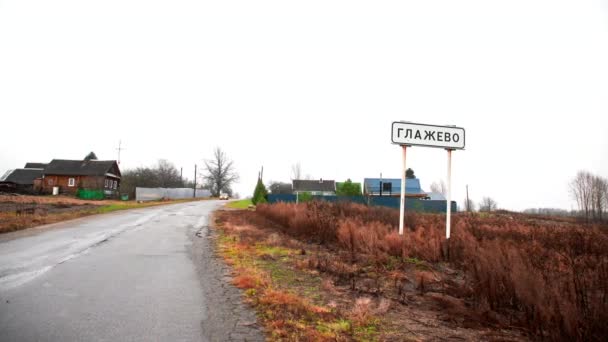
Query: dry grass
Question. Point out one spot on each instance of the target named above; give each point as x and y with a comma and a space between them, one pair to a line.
287, 298
10, 222
547, 276
21, 212
53, 200
305, 291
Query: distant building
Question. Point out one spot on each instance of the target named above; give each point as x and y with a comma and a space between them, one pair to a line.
20, 180
281, 188
435, 196
392, 187
314, 187
70, 175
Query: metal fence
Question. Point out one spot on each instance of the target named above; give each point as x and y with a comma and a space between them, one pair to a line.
413, 204
151, 194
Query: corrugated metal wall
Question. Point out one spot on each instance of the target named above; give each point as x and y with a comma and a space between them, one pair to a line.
151, 194
412, 204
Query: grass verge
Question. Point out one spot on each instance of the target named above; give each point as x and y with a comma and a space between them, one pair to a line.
291, 302
242, 204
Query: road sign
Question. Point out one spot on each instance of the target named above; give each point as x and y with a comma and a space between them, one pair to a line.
448, 137
415, 134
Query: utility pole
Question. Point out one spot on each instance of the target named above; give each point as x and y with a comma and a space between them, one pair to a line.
468, 203
181, 176
194, 186
119, 149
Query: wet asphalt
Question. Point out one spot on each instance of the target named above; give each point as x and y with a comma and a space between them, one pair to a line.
138, 275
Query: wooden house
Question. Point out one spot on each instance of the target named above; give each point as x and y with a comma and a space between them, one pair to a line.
71, 175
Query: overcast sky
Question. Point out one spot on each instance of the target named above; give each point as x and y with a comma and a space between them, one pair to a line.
316, 82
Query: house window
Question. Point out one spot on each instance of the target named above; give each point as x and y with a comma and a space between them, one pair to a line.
106, 184
387, 187
71, 182
115, 184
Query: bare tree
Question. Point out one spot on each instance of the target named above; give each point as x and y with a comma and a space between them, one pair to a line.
167, 174
581, 190
469, 205
220, 173
599, 191
296, 171
487, 204
164, 174
439, 187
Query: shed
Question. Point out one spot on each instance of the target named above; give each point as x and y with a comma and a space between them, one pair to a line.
20, 180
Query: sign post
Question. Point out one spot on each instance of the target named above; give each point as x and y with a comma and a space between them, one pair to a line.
415, 134
402, 206
448, 216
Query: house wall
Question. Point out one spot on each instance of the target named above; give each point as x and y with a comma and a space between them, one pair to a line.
86, 182
16, 188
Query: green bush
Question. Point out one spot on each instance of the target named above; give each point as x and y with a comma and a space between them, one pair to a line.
260, 193
348, 188
304, 197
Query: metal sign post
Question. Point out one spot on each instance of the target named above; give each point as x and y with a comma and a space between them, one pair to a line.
415, 134
448, 217
402, 207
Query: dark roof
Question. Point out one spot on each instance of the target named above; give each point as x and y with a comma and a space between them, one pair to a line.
35, 165
314, 185
281, 188
22, 176
79, 167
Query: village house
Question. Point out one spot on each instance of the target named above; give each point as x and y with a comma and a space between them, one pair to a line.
70, 175
21, 180
314, 187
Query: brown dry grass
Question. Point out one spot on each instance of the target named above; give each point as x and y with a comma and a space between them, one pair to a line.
547, 276
325, 295
21, 212
52, 200
286, 298
10, 222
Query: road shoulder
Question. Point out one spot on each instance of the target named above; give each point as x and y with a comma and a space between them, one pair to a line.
226, 311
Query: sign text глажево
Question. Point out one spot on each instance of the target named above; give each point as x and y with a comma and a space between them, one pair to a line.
448, 137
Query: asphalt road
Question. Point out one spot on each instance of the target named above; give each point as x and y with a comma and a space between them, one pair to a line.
138, 275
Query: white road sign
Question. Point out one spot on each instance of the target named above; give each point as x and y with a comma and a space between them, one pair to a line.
448, 137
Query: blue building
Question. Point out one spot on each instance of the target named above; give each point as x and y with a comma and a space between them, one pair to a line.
392, 187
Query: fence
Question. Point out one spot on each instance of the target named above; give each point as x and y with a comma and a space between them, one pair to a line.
413, 204
151, 194
90, 194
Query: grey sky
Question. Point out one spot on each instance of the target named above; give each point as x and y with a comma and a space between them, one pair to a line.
319, 82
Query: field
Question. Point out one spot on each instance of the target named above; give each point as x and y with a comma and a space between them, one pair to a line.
21, 212
321, 271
